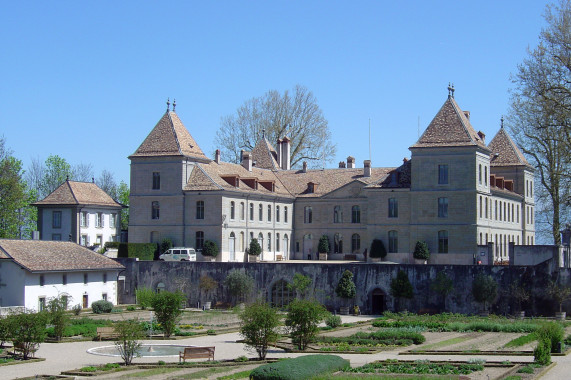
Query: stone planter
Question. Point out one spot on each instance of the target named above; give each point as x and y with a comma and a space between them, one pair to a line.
560, 315
252, 258
375, 259
344, 310
323, 256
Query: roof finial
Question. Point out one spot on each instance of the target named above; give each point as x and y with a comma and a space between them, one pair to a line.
173, 104
450, 90
168, 105
263, 133
502, 122
92, 179
67, 177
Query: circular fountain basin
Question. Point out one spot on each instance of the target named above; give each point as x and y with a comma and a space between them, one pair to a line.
146, 350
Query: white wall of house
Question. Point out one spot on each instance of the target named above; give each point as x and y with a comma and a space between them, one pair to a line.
12, 280
72, 286
91, 232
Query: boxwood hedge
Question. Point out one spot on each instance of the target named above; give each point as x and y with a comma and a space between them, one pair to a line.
302, 367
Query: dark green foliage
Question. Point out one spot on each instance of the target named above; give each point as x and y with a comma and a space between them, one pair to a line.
111, 245
239, 284
418, 367
421, 251
101, 306
553, 332
378, 249
144, 297
28, 330
166, 244
302, 367
333, 321
559, 294
57, 315
323, 245
302, 319
442, 285
542, 353
259, 324
4, 331
86, 327
167, 309
254, 248
129, 332
143, 251
346, 287
210, 248
401, 287
396, 337
300, 284
484, 289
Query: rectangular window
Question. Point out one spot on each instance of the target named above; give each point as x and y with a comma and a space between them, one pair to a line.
84, 240
242, 211
251, 212
42, 280
56, 219
56, 237
199, 209
486, 201
85, 278
442, 241
355, 214
104, 296
104, 278
41, 303
155, 210
156, 181
393, 208
442, 174
393, 241
112, 220
480, 174
269, 241
99, 240
64, 279
443, 207
99, 220
307, 215
232, 210
199, 240
84, 217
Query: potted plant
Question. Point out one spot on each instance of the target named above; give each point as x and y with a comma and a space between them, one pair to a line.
323, 247
210, 249
378, 251
485, 291
346, 290
421, 252
559, 294
207, 284
254, 251
520, 294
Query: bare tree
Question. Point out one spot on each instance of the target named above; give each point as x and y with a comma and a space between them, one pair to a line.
540, 116
82, 172
107, 183
295, 115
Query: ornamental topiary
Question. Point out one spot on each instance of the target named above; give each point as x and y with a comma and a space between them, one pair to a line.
255, 248
346, 287
421, 251
378, 249
210, 248
323, 246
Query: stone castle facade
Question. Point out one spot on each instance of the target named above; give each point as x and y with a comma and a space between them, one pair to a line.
455, 193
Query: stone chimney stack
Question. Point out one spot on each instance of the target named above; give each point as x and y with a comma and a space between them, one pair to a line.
217, 156
367, 168
341, 164
279, 152
285, 152
247, 160
350, 162
304, 167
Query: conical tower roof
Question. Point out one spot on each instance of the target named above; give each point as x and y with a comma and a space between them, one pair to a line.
169, 138
505, 152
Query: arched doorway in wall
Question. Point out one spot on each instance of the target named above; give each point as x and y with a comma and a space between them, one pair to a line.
378, 301
232, 246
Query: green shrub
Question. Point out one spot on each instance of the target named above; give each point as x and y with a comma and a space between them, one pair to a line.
167, 309
76, 309
131, 308
259, 323
143, 251
378, 249
111, 245
525, 369
346, 287
553, 332
210, 248
101, 306
302, 367
241, 359
254, 248
421, 251
333, 321
144, 297
302, 319
323, 245
542, 353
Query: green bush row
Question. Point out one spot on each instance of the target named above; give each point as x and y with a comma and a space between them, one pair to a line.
494, 325
302, 367
354, 341
420, 367
143, 251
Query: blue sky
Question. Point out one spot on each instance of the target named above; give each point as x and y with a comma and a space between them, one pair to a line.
89, 80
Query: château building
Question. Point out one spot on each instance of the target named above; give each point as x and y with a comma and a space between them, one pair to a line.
456, 193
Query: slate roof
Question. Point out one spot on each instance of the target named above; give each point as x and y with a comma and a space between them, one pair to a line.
45, 256
265, 156
78, 193
505, 152
169, 138
450, 127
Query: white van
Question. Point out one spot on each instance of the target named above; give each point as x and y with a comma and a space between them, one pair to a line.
179, 254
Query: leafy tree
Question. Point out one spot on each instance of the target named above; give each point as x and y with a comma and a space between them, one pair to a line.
57, 314
421, 251
28, 330
144, 297
239, 284
57, 170
484, 289
300, 284
346, 287
5, 333
259, 324
123, 198
254, 248
540, 118
166, 244
302, 320
442, 285
401, 287
378, 249
558, 293
167, 309
210, 248
323, 245
295, 115
207, 284
128, 334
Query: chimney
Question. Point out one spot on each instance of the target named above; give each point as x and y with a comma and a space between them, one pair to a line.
247, 160
341, 164
279, 152
217, 156
367, 168
285, 152
304, 167
350, 162
467, 114
482, 136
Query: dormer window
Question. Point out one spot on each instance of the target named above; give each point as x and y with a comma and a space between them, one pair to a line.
311, 187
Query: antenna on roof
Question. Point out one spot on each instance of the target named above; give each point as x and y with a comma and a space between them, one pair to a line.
173, 104
168, 105
450, 90
263, 133
502, 122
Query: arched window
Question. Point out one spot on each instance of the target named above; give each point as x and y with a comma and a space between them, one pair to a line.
281, 294
251, 211
261, 241
486, 175
480, 174
269, 213
393, 241
232, 210
443, 241
269, 241
277, 242
337, 215
155, 210
278, 214
260, 212
161, 287
285, 214
355, 214
242, 242
242, 211
355, 243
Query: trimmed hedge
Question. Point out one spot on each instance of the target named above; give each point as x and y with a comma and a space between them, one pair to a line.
143, 251
101, 306
302, 367
111, 244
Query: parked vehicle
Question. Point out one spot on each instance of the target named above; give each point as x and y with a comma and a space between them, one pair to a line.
179, 254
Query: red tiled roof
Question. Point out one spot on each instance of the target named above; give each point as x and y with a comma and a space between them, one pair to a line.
264, 155
44, 256
78, 193
505, 152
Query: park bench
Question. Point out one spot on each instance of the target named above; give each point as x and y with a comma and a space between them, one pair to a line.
279, 257
106, 333
19, 349
195, 353
352, 257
